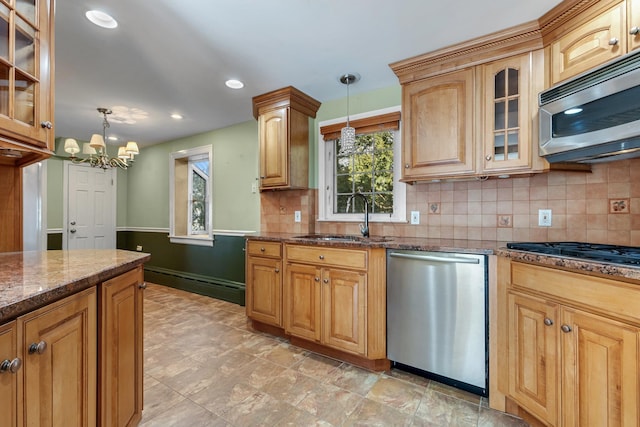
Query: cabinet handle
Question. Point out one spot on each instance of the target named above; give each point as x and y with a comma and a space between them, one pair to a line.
317, 279
38, 347
73, 230
326, 280
634, 31
46, 124
277, 270
406, 165
565, 328
321, 257
142, 285
11, 366
262, 249
614, 41
548, 321
487, 157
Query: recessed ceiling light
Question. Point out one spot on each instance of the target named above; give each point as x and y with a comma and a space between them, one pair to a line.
234, 84
176, 116
101, 19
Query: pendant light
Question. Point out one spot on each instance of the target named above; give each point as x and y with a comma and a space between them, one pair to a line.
348, 134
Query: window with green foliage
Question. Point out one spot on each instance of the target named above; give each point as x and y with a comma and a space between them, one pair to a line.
368, 169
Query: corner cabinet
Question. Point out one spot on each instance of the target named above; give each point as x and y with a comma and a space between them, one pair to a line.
264, 282
571, 345
283, 126
473, 122
26, 64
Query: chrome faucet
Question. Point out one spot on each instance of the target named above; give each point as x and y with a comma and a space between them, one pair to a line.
364, 228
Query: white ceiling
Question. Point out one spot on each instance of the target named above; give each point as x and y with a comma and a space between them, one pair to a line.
171, 56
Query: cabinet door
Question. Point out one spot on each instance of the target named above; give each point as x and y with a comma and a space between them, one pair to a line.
121, 345
264, 290
8, 379
274, 150
533, 358
26, 52
343, 302
438, 126
302, 301
59, 378
633, 21
600, 371
507, 136
593, 43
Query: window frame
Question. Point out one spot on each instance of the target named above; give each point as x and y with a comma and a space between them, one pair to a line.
326, 176
192, 154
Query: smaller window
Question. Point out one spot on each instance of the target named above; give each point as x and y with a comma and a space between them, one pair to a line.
190, 199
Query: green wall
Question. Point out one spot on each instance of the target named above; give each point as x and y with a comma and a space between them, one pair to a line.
235, 168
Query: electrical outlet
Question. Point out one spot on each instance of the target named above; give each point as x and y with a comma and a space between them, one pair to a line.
139, 248
297, 216
415, 217
544, 217
254, 187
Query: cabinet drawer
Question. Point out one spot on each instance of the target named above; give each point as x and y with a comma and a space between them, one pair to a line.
614, 298
349, 258
262, 248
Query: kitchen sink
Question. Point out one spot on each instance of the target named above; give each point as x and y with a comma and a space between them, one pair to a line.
342, 238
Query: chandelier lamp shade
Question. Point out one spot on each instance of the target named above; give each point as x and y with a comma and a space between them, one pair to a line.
96, 149
348, 133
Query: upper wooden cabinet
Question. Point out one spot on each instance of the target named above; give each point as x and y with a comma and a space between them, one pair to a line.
580, 38
283, 126
26, 65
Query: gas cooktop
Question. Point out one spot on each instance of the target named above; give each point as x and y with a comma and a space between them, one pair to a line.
591, 251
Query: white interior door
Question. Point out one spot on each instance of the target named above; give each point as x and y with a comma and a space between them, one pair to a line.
90, 219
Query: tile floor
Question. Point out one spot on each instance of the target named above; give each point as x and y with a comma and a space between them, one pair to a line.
205, 367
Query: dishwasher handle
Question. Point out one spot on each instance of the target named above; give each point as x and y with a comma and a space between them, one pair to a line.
435, 258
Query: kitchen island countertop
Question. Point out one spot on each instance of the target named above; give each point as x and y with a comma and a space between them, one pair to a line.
32, 279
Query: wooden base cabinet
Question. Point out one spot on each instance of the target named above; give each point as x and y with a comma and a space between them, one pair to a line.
121, 345
572, 346
57, 344
336, 297
264, 282
10, 365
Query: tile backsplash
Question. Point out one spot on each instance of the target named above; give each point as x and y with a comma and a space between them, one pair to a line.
599, 207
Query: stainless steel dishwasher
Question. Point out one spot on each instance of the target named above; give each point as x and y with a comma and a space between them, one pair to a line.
437, 316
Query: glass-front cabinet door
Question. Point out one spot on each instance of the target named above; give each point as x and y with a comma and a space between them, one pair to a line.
26, 103
507, 136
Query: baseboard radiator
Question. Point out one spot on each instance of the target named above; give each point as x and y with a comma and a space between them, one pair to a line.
215, 287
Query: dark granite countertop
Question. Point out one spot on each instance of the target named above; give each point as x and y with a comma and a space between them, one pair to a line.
29, 280
487, 247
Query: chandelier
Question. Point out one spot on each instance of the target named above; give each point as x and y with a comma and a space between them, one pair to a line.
96, 149
348, 134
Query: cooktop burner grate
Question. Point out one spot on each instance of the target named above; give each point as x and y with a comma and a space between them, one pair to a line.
591, 251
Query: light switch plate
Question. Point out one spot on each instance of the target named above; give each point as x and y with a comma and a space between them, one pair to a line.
297, 216
415, 217
544, 217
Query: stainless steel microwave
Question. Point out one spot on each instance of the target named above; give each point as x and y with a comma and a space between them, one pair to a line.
593, 117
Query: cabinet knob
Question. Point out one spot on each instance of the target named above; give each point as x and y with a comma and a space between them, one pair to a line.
277, 270
11, 366
487, 157
614, 41
73, 230
326, 280
406, 165
317, 279
566, 328
634, 31
262, 249
143, 285
321, 257
38, 348
46, 125
548, 321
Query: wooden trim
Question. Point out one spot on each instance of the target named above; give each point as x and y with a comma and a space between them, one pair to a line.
567, 15
372, 365
502, 44
389, 121
286, 97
